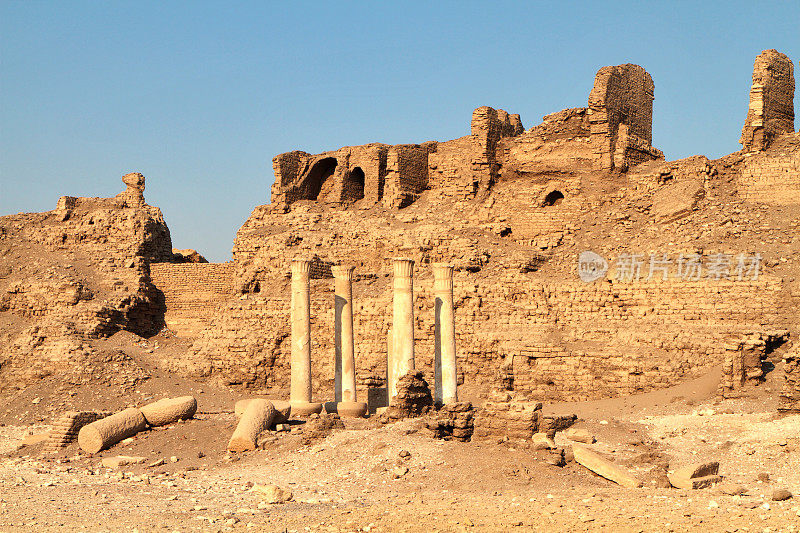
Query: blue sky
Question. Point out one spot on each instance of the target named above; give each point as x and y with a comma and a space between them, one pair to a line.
199, 96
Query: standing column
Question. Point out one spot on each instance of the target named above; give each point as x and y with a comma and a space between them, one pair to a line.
402, 357
444, 335
300, 394
345, 364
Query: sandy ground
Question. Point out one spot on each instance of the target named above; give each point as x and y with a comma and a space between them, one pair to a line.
354, 479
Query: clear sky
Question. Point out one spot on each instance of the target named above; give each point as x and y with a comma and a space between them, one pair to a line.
199, 96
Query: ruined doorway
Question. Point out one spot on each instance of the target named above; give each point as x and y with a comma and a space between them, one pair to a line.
321, 171
354, 185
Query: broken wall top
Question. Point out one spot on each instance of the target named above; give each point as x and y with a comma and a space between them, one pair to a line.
771, 109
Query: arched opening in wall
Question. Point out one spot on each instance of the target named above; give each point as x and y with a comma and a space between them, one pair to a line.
354, 185
322, 170
553, 198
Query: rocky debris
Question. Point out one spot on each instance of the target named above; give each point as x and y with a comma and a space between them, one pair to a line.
579, 435
272, 494
677, 200
169, 410
780, 494
320, 426
187, 256
697, 476
257, 417
413, 397
604, 468
110, 430
122, 460
542, 441
453, 421
399, 471
507, 415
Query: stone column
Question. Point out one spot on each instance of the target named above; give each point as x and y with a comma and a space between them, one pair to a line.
300, 394
345, 364
402, 357
444, 335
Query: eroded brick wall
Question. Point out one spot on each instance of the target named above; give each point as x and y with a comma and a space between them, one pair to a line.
771, 109
549, 340
621, 117
192, 293
773, 176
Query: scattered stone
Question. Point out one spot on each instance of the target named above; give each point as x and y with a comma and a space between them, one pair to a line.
399, 471
763, 477
604, 468
159, 462
730, 488
122, 460
541, 441
272, 493
697, 476
779, 495
579, 435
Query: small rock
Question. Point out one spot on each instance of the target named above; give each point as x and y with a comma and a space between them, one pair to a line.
272, 493
779, 495
173, 459
763, 477
579, 435
36, 400
122, 460
404, 453
399, 471
540, 441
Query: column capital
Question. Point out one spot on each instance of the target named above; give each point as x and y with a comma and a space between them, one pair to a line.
343, 271
301, 266
442, 270
403, 267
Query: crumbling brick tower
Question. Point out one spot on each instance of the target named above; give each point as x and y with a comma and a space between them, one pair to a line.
621, 117
771, 110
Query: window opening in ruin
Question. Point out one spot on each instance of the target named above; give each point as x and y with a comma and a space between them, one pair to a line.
356, 184
322, 170
553, 198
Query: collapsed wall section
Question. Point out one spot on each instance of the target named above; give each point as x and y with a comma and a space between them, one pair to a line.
771, 109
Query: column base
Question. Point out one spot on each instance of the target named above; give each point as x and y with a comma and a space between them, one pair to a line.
347, 409
300, 408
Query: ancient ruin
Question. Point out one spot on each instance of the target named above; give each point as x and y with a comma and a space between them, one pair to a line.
481, 283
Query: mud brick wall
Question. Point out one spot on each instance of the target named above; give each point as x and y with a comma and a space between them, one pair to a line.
621, 95
771, 109
406, 174
610, 338
773, 176
789, 400
450, 168
192, 293
65, 429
